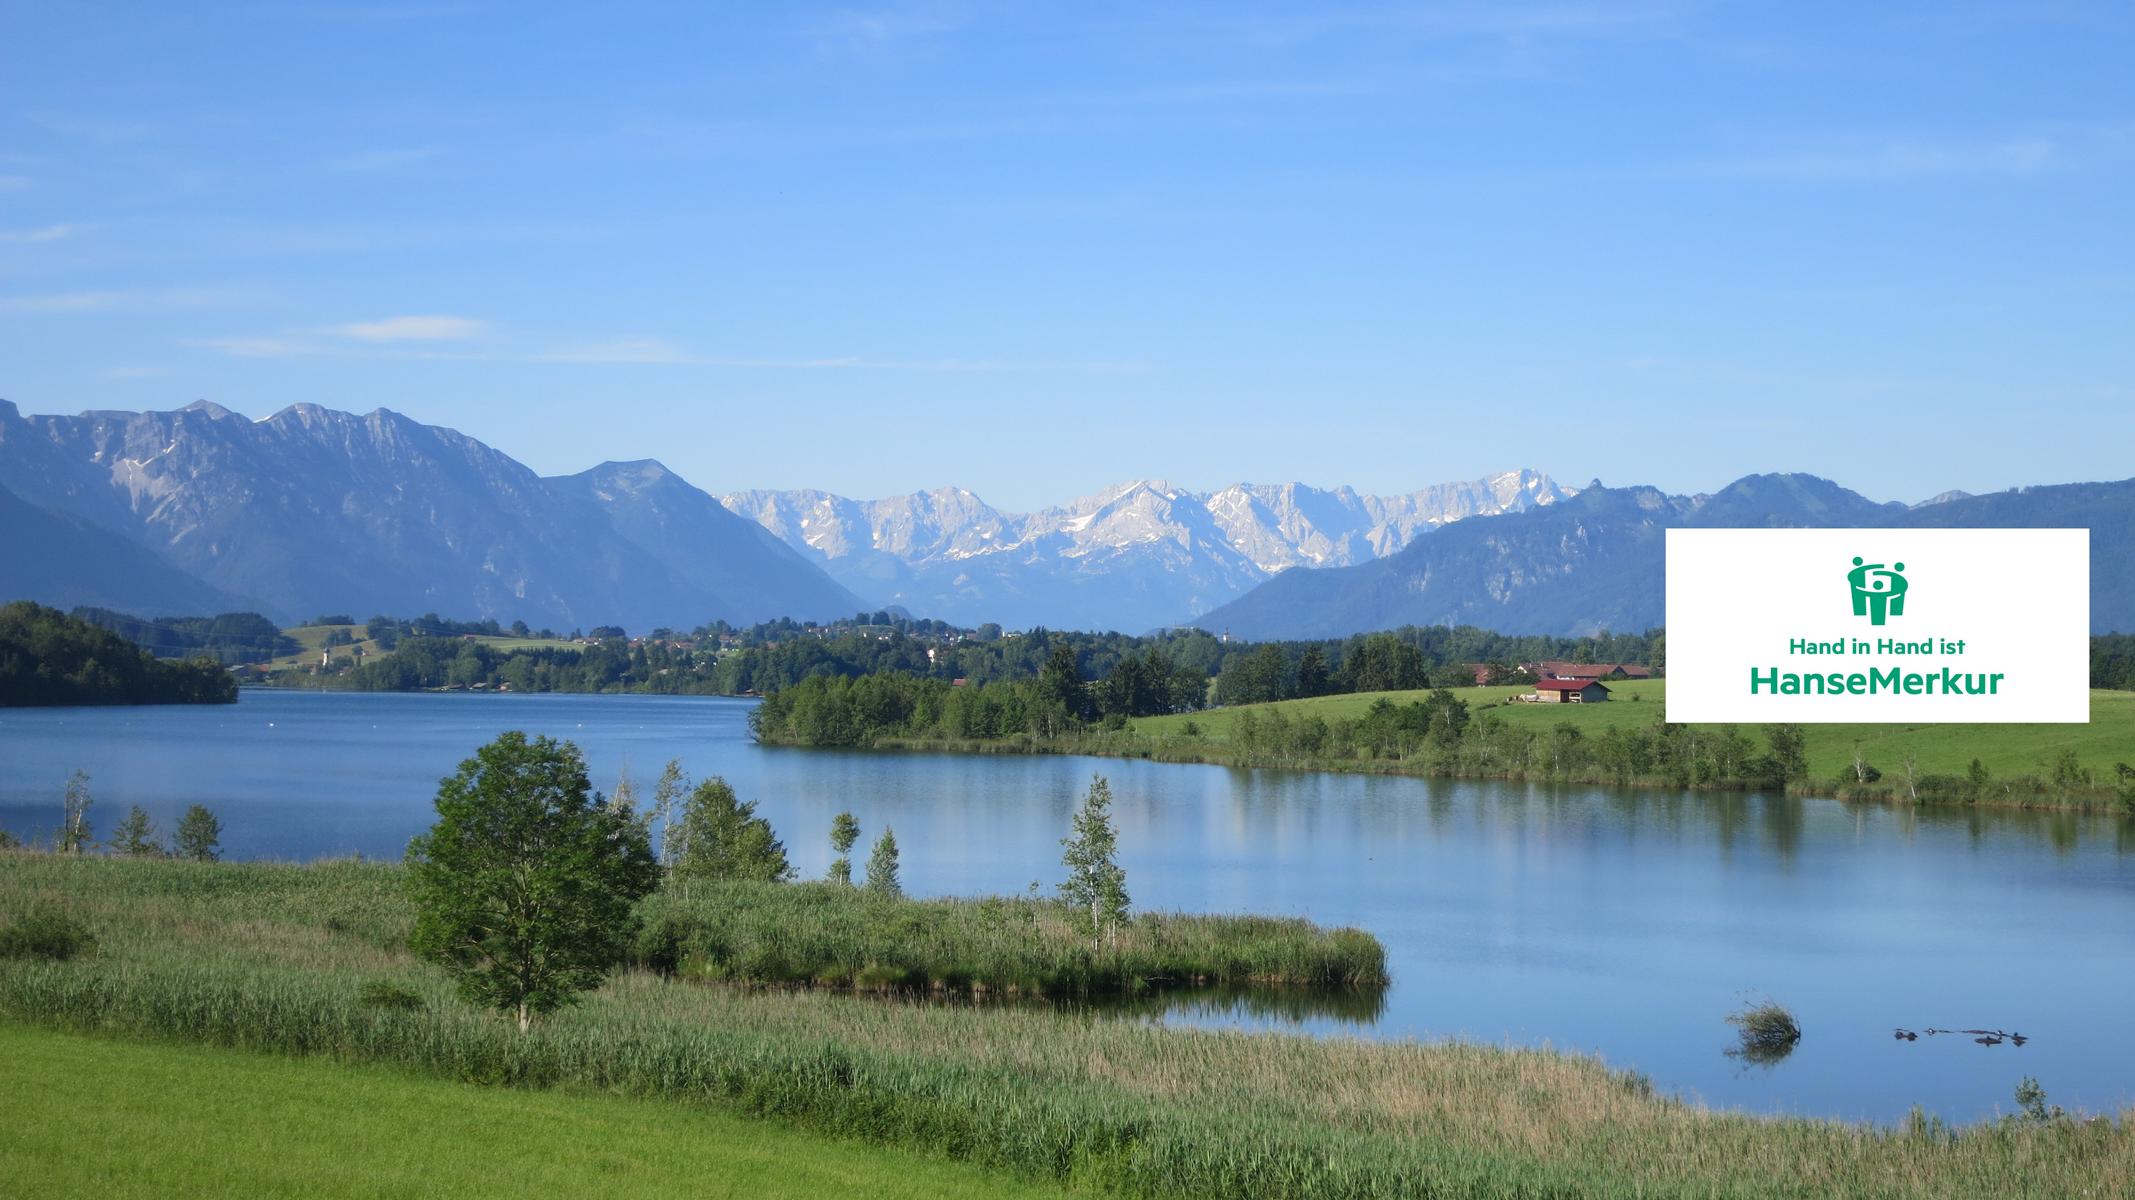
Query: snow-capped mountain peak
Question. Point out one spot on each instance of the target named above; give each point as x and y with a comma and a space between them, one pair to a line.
1161, 552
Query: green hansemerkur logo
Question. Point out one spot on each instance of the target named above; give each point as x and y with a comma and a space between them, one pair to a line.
1878, 591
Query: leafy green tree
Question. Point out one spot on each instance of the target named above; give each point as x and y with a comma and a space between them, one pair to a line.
722, 838
1790, 756
1060, 683
74, 815
2067, 772
844, 834
882, 866
1096, 887
199, 835
1977, 775
135, 835
525, 887
1312, 679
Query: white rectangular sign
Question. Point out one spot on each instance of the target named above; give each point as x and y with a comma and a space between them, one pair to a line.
1879, 625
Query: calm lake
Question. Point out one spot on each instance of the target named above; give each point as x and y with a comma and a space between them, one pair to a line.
1627, 924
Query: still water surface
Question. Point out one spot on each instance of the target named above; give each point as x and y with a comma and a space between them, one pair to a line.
1622, 923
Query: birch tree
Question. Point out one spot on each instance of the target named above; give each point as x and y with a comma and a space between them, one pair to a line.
1096, 887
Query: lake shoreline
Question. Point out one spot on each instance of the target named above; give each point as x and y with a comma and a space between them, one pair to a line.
1101, 745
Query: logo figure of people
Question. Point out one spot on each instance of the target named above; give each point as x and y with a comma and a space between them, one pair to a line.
1878, 591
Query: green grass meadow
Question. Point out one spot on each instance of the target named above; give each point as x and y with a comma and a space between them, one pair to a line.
2007, 750
93, 1117
313, 639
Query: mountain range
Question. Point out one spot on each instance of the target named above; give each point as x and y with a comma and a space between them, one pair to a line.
1596, 560
1133, 557
312, 510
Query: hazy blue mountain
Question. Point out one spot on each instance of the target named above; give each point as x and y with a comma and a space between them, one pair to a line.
726, 563
1132, 557
2106, 509
1596, 561
314, 510
63, 561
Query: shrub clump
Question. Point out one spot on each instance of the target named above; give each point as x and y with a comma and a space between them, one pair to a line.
379, 993
1768, 1032
48, 934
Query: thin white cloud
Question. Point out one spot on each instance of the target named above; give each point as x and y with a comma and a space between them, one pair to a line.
120, 300
255, 347
884, 24
95, 129
381, 161
619, 350
363, 14
44, 233
414, 329
661, 352
628, 351
1893, 161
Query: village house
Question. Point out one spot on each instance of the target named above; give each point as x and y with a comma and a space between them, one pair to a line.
1570, 691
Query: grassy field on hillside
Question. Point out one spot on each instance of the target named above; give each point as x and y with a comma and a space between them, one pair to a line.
313, 639
2006, 750
116, 1120
290, 960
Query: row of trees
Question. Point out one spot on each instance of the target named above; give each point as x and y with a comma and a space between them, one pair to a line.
839, 711
527, 886
198, 834
1167, 672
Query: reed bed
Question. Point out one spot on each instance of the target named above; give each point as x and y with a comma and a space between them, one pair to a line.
830, 935
289, 960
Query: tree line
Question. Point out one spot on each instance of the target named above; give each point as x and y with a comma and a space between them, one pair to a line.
840, 710
2113, 661
1167, 672
228, 638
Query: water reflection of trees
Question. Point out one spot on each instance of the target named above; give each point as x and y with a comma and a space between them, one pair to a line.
1380, 808
1760, 1054
1289, 1006
1203, 1005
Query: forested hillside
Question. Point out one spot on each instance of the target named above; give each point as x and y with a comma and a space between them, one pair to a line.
50, 658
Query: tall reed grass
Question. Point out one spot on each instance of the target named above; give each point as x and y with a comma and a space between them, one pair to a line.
824, 934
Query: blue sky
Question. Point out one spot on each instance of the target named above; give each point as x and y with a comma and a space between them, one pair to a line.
1034, 250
